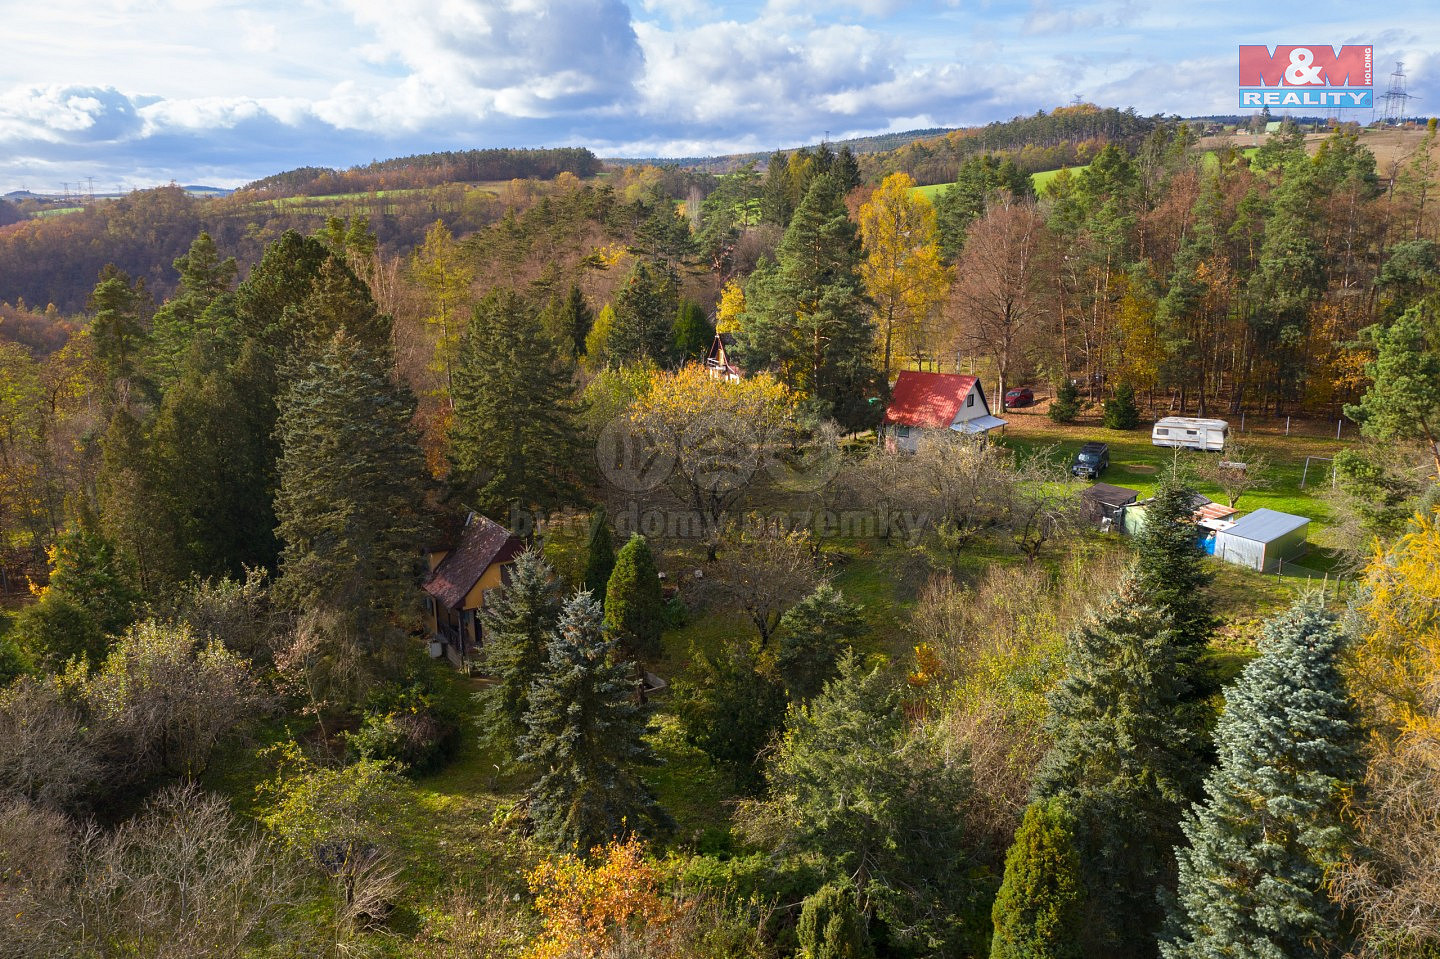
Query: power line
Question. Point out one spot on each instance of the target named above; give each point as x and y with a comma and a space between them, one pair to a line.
1396, 99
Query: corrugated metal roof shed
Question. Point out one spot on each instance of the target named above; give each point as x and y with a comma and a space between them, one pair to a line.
1266, 525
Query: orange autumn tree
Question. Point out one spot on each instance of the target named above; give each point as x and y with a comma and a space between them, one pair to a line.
611, 906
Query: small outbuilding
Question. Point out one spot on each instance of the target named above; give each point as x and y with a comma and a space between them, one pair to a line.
1105, 504
720, 360
1263, 540
1133, 516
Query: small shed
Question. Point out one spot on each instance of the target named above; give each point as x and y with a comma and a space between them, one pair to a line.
1263, 539
1133, 516
1104, 504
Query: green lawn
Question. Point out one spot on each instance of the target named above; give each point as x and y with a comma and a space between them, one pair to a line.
1041, 180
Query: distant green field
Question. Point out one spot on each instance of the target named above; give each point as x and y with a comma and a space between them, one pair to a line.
1040, 180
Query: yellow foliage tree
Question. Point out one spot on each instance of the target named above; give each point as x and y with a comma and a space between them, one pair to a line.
732, 304
1139, 349
902, 271
440, 269
615, 907
718, 433
1393, 886
1396, 669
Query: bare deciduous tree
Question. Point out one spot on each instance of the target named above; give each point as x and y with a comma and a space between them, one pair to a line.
180, 881
998, 304
48, 755
764, 572
1237, 471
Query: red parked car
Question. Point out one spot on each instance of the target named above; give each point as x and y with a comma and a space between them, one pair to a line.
1020, 396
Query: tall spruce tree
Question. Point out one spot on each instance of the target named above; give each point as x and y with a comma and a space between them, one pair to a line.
634, 605
214, 457
693, 332
1039, 911
644, 316
600, 556
1253, 875
1170, 574
517, 625
351, 486
204, 279
585, 737
513, 441
1124, 757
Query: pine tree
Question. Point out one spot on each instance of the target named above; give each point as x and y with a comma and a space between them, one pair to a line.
585, 736
805, 317
644, 316
204, 279
634, 605
1124, 756
1170, 574
831, 925
1066, 404
693, 332
814, 634
1039, 911
517, 625
1120, 410
513, 440
731, 710
600, 557
1253, 875
852, 786
351, 481
214, 454
1403, 402
567, 321
118, 325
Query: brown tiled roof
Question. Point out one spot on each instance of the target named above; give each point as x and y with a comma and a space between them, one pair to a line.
483, 544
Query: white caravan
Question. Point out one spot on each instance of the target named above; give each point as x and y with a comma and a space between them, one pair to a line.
1191, 433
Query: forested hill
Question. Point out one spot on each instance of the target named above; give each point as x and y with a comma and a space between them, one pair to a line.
431, 169
1066, 136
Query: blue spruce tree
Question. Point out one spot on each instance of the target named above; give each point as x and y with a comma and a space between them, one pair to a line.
584, 735
1252, 881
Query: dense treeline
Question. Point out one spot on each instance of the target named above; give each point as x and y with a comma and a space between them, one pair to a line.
433, 169
1066, 136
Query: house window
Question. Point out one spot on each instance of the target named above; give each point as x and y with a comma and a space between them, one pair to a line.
970, 400
902, 431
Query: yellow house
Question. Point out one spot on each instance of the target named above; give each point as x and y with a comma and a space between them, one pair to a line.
459, 581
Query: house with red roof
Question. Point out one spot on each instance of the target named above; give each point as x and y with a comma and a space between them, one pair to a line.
461, 581
922, 403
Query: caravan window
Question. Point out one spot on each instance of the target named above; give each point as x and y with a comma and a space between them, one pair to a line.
1162, 431
1190, 432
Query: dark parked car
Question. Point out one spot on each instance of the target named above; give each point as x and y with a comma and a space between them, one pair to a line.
1020, 396
1091, 461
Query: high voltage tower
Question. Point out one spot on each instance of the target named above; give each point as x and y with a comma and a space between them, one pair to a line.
1396, 99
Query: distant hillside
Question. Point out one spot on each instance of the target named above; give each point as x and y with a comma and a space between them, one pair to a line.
726, 163
1066, 136
433, 169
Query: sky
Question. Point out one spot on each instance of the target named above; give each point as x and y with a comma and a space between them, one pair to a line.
124, 94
